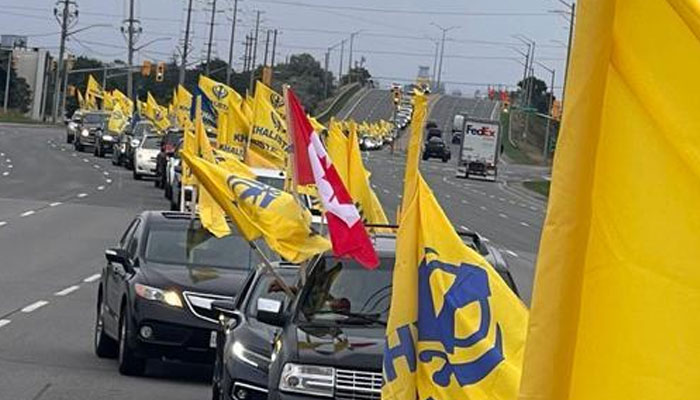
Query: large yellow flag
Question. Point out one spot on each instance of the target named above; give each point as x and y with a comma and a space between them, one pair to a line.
238, 127
117, 119
220, 95
615, 306
420, 113
126, 104
107, 101
359, 187
268, 135
275, 99
94, 89
260, 210
157, 113
337, 147
455, 329
183, 107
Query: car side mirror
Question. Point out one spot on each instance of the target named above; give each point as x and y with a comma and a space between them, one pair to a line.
270, 312
119, 256
227, 310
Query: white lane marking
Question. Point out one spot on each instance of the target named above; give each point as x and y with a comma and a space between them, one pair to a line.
108, 181
482, 208
385, 191
92, 278
86, 160
533, 208
106, 173
75, 154
491, 196
100, 188
465, 227
81, 195
54, 204
8, 160
501, 199
511, 202
3, 223
67, 290
448, 196
4, 322
27, 213
34, 306
485, 239
524, 224
464, 201
96, 166
512, 253
502, 215
6, 173
62, 149
10, 166
523, 205
2, 154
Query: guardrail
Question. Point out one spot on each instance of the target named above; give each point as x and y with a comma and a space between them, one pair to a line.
346, 93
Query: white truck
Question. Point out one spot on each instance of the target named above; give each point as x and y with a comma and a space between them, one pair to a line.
458, 127
480, 148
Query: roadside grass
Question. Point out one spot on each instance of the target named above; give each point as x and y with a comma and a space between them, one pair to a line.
516, 155
16, 118
541, 187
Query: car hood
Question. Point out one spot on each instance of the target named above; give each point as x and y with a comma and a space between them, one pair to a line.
220, 281
149, 152
349, 347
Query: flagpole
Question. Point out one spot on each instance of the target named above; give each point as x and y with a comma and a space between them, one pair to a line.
270, 269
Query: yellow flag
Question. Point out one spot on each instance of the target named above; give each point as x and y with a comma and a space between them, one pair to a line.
94, 89
184, 104
268, 136
359, 187
107, 101
275, 99
420, 112
260, 210
126, 104
157, 113
337, 147
210, 213
615, 307
220, 95
117, 119
238, 128
455, 329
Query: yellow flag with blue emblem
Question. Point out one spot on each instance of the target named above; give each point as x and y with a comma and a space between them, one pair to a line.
157, 113
455, 329
267, 146
117, 119
220, 95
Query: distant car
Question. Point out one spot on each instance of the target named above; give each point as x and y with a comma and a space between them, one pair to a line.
73, 126
431, 124
105, 143
435, 148
119, 149
92, 126
156, 290
243, 350
135, 136
145, 156
433, 132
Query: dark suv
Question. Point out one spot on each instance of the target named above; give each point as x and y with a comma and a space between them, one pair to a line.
435, 147
157, 288
332, 338
92, 126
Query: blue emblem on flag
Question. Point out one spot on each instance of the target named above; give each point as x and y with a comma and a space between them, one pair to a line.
471, 285
261, 194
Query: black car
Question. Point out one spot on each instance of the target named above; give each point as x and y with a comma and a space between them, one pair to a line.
435, 147
92, 126
73, 126
135, 135
243, 351
167, 148
105, 143
332, 338
157, 287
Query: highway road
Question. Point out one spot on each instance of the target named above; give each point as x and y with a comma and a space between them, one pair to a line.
59, 210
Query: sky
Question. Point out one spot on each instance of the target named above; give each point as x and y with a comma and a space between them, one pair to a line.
394, 37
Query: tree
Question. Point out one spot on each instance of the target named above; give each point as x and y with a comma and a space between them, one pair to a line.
306, 76
540, 95
358, 74
20, 96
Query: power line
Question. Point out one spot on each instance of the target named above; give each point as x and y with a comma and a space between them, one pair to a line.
400, 11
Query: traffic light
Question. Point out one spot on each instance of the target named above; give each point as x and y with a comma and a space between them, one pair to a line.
160, 71
506, 106
146, 68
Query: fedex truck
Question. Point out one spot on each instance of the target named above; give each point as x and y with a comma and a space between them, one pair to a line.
480, 147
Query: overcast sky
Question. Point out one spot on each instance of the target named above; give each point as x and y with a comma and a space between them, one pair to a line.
396, 36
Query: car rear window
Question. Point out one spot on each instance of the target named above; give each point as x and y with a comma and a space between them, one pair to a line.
94, 118
151, 142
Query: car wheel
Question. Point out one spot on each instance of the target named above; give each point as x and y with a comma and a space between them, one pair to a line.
129, 363
69, 139
78, 147
137, 176
105, 346
445, 159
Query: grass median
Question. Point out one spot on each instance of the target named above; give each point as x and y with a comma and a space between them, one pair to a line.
540, 187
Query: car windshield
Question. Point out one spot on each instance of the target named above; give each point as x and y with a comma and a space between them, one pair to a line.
342, 291
143, 129
180, 244
151, 142
94, 118
173, 137
267, 287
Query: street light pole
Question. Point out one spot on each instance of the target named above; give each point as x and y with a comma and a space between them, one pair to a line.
545, 147
186, 44
442, 50
230, 46
572, 16
254, 50
211, 37
340, 65
352, 39
65, 14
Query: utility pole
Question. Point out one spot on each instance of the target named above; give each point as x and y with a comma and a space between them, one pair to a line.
442, 50
255, 51
435, 62
340, 65
274, 48
230, 46
246, 56
67, 17
267, 47
131, 29
8, 71
211, 36
186, 44
352, 39
545, 147
572, 16
326, 73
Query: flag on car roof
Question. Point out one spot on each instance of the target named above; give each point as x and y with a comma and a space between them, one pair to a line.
312, 165
617, 286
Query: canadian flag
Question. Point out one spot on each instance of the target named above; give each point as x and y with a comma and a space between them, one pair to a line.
313, 165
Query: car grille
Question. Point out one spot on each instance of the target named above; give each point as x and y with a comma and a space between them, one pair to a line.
358, 385
200, 305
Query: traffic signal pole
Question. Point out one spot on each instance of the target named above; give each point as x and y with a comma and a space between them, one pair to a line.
7, 81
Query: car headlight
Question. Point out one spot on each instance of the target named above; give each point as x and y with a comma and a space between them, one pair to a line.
107, 138
134, 143
249, 357
85, 133
307, 379
169, 297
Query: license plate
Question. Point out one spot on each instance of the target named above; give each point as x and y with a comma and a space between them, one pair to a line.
212, 340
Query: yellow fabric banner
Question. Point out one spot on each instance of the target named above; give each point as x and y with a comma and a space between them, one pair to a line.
268, 141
